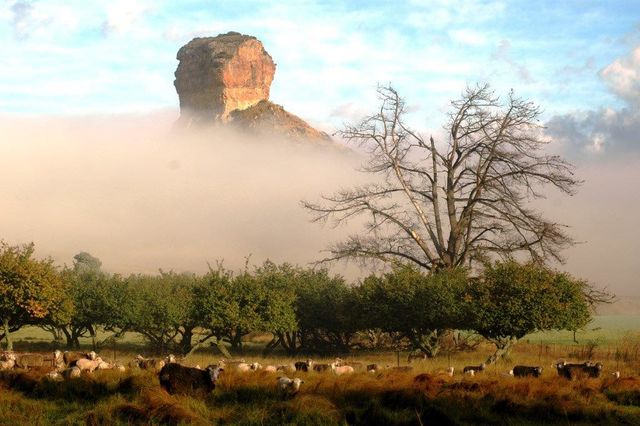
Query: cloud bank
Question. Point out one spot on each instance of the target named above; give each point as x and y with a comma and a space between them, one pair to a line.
606, 132
141, 196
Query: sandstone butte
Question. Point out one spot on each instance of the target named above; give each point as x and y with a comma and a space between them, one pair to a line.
226, 80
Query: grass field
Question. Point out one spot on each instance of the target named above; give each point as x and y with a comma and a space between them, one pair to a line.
385, 398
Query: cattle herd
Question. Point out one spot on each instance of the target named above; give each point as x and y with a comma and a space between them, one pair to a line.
177, 378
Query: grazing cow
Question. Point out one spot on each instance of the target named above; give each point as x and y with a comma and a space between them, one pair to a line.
289, 386
27, 361
525, 371
570, 371
474, 368
175, 378
303, 365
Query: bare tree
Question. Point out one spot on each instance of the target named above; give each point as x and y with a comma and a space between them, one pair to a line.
442, 205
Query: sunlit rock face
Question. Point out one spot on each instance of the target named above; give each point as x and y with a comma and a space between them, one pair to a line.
217, 75
226, 80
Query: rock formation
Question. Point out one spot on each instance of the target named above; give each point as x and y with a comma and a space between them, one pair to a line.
226, 80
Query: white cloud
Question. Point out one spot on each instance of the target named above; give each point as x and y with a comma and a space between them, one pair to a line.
124, 15
606, 131
468, 37
623, 76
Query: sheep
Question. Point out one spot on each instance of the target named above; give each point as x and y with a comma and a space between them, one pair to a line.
616, 375
170, 359
321, 367
103, 365
89, 365
27, 361
525, 371
289, 386
228, 363
270, 369
474, 368
58, 360
402, 368
372, 368
147, 363
53, 375
354, 364
71, 373
341, 369
470, 372
255, 366
9, 362
175, 378
304, 365
448, 372
243, 367
69, 358
414, 355
289, 368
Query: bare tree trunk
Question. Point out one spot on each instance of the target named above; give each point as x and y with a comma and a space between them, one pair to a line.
503, 349
7, 334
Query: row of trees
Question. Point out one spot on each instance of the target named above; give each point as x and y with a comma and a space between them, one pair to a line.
304, 309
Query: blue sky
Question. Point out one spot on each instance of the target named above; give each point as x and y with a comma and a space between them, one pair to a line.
79, 56
579, 60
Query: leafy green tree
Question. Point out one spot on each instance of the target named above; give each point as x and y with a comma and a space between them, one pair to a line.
159, 308
234, 306
30, 288
511, 300
326, 309
420, 307
84, 308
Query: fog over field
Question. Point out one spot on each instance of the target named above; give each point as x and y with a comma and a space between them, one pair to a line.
140, 195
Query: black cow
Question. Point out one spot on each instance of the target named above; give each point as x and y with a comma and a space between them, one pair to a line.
175, 378
525, 371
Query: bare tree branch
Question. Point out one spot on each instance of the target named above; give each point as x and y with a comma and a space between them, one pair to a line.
457, 202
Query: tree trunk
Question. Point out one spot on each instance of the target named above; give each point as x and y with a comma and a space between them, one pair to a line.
503, 348
7, 334
275, 341
92, 332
